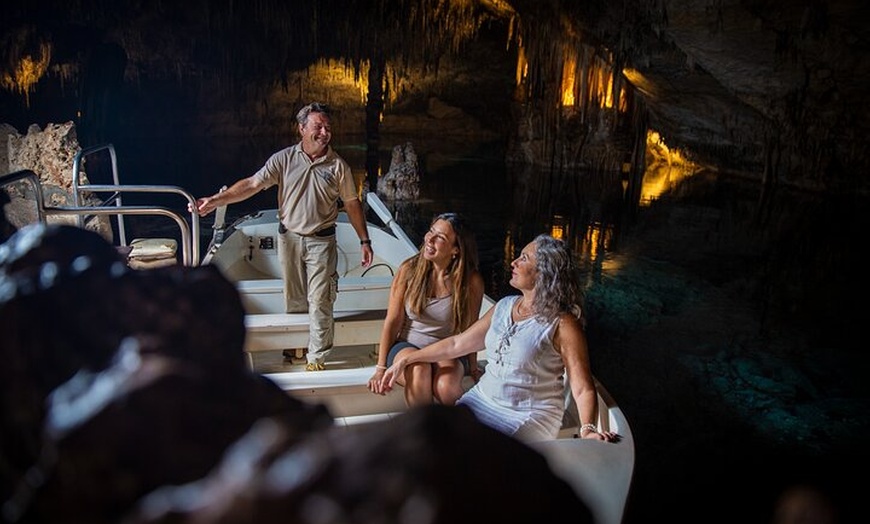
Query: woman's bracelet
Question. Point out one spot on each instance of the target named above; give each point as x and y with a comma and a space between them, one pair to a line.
378, 366
590, 427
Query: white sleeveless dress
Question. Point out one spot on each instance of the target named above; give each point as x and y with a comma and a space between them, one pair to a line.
522, 391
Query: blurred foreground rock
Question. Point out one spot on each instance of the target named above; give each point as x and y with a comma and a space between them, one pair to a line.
162, 416
430, 465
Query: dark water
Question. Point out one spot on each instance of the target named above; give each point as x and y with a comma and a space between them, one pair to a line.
725, 325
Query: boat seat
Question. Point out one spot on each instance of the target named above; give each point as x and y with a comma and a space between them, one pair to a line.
276, 285
290, 330
150, 253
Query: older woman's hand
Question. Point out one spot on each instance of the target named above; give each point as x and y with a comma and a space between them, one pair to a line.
392, 374
590, 431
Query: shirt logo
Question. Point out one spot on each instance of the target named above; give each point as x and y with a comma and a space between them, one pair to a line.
325, 174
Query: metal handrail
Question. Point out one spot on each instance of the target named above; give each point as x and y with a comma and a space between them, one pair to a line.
190, 249
117, 188
76, 175
29, 176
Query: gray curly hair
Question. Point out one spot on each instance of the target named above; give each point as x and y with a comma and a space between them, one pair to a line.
557, 285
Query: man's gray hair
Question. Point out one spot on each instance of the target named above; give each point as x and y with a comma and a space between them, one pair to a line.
313, 107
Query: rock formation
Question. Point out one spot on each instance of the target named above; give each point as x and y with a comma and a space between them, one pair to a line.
50, 153
402, 181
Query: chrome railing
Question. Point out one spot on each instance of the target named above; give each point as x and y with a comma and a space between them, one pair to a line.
189, 230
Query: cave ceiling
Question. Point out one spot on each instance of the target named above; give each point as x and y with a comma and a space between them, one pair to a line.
737, 82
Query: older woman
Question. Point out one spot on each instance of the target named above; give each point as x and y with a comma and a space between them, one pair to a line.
533, 341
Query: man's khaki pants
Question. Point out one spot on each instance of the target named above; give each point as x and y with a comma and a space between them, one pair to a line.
310, 284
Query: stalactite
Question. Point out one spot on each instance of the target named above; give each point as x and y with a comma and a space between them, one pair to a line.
212, 39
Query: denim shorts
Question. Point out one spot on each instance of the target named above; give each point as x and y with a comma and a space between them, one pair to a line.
400, 345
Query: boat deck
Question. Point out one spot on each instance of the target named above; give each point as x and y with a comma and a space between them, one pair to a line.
341, 358
341, 386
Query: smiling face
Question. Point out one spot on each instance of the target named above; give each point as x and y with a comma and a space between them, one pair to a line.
439, 243
524, 270
316, 134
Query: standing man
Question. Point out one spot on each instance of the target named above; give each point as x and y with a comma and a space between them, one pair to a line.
311, 178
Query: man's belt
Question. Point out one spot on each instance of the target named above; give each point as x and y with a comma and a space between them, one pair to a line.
325, 232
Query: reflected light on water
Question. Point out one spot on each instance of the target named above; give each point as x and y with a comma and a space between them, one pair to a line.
557, 230
596, 242
667, 169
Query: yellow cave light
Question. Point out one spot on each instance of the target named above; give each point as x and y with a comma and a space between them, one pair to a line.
569, 76
557, 230
522, 65
338, 74
599, 80
27, 72
608, 90
588, 79
641, 83
593, 240
668, 167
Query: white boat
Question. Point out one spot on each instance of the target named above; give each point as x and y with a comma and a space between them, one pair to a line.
246, 252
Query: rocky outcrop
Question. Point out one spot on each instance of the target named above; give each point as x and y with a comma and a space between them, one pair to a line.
402, 181
50, 153
774, 87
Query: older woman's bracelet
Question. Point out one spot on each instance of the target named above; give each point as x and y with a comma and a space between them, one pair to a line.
378, 366
590, 427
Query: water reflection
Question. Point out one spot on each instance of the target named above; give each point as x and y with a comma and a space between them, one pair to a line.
665, 169
510, 205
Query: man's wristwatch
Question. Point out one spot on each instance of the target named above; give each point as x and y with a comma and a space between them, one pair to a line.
365, 241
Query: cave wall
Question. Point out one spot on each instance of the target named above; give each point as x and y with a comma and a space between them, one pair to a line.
768, 89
